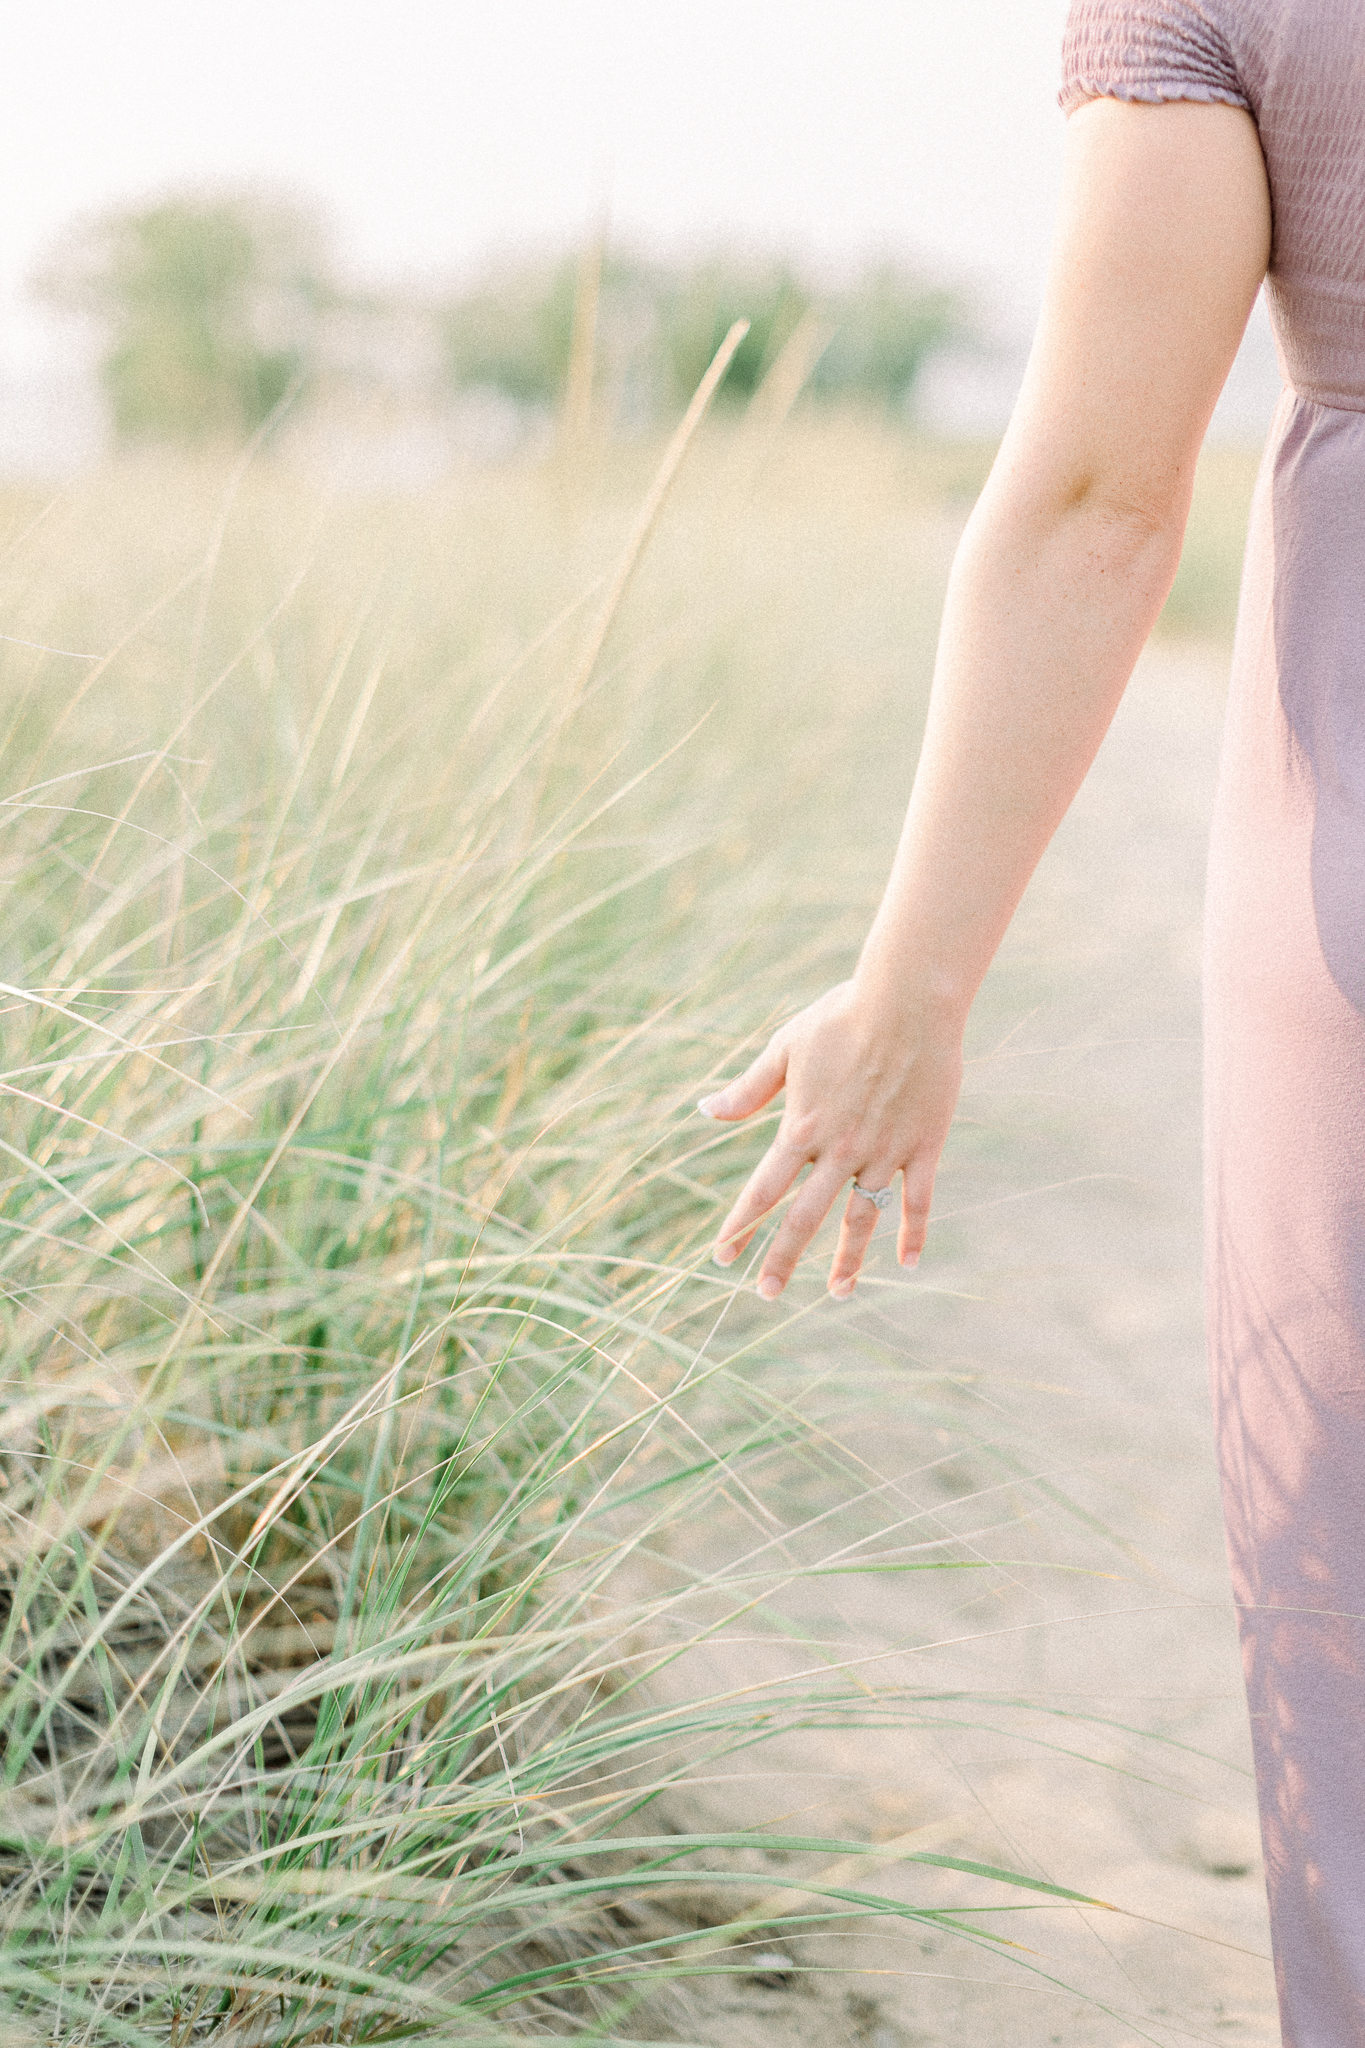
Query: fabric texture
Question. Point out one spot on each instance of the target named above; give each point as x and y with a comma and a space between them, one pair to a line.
1285, 971
1153, 52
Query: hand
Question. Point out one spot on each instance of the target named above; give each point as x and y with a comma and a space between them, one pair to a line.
869, 1094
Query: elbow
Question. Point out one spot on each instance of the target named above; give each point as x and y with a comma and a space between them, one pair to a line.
1136, 517
1127, 499
1111, 522
1133, 536
1087, 527
1115, 539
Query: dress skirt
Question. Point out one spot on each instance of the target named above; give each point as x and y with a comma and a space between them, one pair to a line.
1285, 1194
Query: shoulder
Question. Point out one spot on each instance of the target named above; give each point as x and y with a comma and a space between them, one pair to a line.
1149, 50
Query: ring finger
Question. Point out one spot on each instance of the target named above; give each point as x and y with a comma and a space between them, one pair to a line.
861, 1217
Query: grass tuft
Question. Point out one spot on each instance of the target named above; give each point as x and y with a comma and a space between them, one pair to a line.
374, 916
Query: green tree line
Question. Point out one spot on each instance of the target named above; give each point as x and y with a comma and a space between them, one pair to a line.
212, 310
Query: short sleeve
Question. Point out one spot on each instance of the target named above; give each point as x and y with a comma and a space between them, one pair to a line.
1146, 50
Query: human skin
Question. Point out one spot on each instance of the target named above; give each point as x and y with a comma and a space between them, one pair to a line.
1162, 240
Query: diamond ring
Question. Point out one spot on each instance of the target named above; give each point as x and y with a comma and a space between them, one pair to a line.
880, 1198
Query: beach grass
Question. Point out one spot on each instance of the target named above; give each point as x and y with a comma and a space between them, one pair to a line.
375, 912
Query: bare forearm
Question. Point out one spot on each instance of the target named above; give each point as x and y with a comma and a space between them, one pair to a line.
1163, 238
1047, 611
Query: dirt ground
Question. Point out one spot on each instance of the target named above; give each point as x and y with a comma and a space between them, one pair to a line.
1074, 1710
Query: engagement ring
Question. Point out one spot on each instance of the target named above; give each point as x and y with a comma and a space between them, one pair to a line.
880, 1199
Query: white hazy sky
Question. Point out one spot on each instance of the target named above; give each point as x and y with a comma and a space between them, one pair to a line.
436, 130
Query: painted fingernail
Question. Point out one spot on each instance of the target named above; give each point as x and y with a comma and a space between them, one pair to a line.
706, 1107
841, 1289
770, 1287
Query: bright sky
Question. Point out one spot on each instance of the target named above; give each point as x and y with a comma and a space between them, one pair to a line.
438, 132
434, 130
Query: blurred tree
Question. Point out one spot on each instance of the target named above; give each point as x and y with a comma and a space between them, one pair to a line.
209, 305
514, 331
885, 327
659, 326
701, 305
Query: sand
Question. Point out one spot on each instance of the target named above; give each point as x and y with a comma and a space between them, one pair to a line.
1074, 1711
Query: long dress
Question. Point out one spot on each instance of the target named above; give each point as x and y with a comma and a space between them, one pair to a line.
1285, 971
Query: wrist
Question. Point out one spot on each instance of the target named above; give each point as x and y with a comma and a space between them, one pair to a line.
933, 999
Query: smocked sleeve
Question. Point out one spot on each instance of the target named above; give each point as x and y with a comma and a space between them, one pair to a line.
1146, 50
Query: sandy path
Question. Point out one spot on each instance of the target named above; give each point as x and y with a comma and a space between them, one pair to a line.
1042, 1376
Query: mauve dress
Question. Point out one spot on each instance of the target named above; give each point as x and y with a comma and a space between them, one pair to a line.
1285, 971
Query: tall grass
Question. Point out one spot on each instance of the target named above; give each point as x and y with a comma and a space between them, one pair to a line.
369, 932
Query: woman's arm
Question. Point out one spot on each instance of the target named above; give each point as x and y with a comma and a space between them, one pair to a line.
1162, 242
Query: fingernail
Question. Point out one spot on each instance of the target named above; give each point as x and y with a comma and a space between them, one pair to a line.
770, 1287
705, 1107
910, 1261
726, 1256
841, 1289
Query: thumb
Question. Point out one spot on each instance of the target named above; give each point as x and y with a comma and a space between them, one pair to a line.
757, 1085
